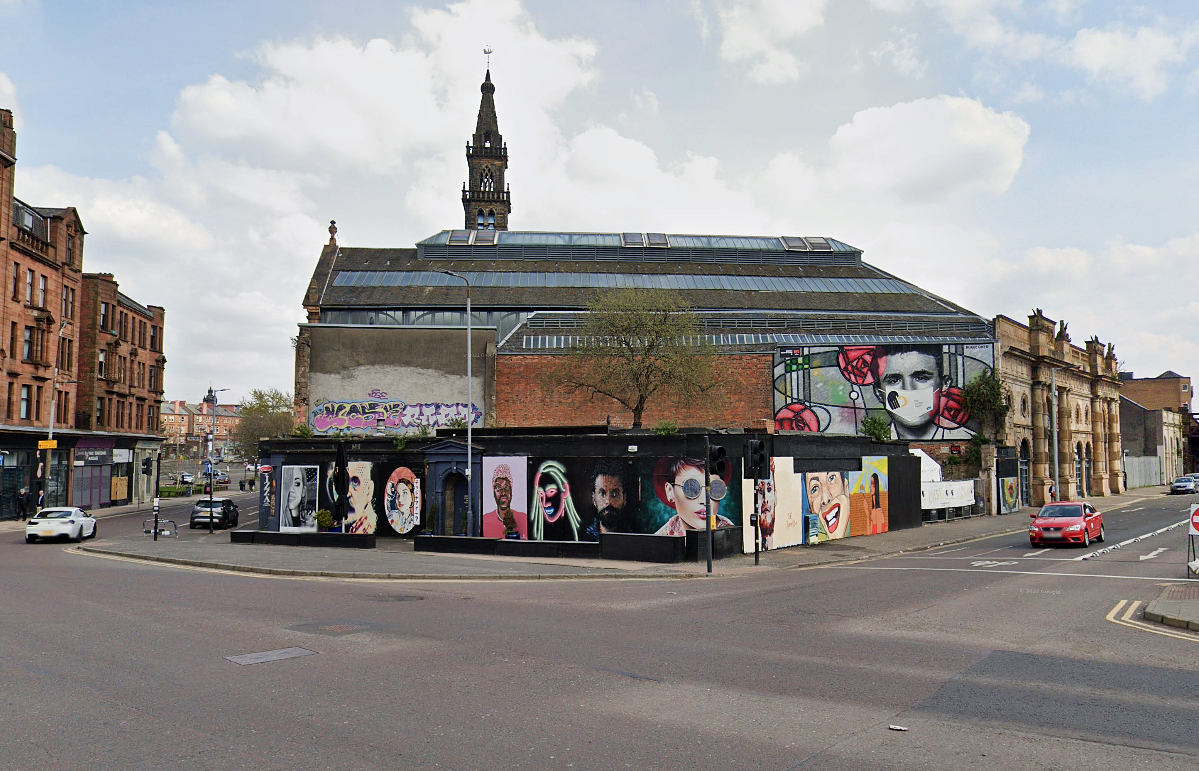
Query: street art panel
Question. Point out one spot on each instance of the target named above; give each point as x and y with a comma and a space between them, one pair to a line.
1009, 495
672, 496
826, 501
331, 416
576, 499
298, 499
868, 498
400, 498
780, 507
918, 388
360, 499
505, 490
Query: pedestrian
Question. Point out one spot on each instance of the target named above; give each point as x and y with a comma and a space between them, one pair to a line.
1052, 491
251, 484
41, 498
23, 503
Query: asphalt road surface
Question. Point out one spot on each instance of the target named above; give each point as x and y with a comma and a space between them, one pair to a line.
993, 655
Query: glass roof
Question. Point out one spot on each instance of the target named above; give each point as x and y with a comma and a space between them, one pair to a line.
754, 243
575, 280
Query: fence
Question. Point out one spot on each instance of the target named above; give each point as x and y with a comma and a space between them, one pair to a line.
1143, 471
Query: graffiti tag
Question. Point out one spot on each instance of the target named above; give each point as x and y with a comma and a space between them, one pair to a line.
395, 414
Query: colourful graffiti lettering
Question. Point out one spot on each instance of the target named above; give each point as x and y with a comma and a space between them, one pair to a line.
365, 415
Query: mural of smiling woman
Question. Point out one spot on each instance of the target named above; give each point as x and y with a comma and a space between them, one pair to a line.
552, 504
827, 494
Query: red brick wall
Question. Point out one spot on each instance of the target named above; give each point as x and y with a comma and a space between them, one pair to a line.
742, 399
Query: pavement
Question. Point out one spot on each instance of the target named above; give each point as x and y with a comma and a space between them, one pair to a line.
1177, 606
395, 559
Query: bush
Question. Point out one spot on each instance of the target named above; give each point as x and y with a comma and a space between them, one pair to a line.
324, 519
877, 427
666, 428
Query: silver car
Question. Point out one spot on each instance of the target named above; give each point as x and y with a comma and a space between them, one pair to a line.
1182, 485
64, 522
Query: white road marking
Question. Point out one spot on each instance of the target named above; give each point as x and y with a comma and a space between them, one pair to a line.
960, 548
992, 551
1152, 554
1122, 544
991, 563
1035, 553
1138, 508
1012, 572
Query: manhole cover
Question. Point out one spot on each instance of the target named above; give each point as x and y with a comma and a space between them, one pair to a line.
395, 597
339, 627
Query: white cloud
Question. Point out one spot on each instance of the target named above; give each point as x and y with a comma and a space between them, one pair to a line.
643, 108
757, 31
8, 100
1138, 61
903, 55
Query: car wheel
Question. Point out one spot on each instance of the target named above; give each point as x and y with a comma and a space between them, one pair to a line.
79, 535
1031, 542
1102, 535
95, 530
1086, 539
191, 525
30, 539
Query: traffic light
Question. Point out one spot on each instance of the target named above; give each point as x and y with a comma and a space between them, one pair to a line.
756, 460
717, 458
148, 466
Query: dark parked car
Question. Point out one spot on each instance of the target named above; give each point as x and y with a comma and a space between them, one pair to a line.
222, 478
222, 511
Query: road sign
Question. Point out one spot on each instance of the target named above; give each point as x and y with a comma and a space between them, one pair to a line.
1194, 529
265, 469
47, 444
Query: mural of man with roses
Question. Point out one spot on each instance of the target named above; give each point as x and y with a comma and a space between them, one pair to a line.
910, 384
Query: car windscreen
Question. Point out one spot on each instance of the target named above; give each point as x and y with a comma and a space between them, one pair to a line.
54, 514
1184, 480
211, 504
1061, 511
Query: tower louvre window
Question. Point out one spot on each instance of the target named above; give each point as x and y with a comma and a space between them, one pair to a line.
482, 220
487, 139
491, 219
487, 182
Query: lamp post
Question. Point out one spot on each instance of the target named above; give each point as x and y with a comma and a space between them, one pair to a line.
470, 402
210, 399
62, 327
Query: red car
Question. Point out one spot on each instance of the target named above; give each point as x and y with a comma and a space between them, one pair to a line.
1066, 522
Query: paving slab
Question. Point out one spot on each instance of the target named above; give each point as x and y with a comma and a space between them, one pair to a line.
1176, 606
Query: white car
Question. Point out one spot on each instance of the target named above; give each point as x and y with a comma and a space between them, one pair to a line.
64, 522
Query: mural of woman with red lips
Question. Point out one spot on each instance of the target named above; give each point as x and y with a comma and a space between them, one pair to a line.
827, 494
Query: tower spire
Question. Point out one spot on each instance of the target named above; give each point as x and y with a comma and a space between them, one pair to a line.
486, 200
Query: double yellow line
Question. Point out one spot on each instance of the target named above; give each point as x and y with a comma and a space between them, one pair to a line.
1127, 620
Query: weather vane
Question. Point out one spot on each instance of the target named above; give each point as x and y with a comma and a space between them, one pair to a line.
487, 52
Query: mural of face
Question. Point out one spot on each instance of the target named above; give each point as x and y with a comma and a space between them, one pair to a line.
908, 389
401, 500
690, 510
295, 494
828, 497
769, 503
550, 494
360, 517
608, 498
501, 488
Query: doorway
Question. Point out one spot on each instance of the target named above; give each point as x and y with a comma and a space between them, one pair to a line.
453, 520
1025, 474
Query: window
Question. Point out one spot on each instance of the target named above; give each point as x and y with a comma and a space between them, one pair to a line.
153, 378
29, 286
27, 348
41, 291
12, 340
104, 316
482, 219
99, 412
70, 250
68, 302
16, 280
487, 139
155, 343
490, 220
487, 182
1184, 388
37, 405
25, 402
101, 363
8, 404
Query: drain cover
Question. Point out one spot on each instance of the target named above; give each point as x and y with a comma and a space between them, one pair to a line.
339, 627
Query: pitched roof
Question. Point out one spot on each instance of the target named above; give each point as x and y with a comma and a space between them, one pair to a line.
1169, 375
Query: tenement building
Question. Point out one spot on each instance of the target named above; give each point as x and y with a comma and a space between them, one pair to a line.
45, 321
1065, 395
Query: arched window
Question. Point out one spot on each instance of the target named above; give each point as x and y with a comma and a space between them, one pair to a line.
487, 139
1086, 414
487, 182
482, 221
491, 219
1024, 406
1077, 413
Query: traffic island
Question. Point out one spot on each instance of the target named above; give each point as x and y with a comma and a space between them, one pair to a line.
1176, 606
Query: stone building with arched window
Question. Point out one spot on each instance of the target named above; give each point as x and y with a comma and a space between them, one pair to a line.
1053, 383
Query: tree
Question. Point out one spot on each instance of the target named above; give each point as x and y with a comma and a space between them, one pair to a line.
988, 399
877, 427
635, 347
266, 412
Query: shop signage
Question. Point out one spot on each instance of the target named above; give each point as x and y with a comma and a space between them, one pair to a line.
122, 456
47, 444
93, 456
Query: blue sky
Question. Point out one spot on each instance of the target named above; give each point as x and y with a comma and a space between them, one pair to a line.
1007, 154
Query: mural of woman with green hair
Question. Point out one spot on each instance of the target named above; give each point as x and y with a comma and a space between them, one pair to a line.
551, 500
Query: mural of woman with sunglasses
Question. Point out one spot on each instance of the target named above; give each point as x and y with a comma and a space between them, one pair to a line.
679, 483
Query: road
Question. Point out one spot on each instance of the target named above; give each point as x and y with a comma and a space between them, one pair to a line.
992, 654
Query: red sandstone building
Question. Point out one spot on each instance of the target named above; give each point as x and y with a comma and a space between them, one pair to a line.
50, 341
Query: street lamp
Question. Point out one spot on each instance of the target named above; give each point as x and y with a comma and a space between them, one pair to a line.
1057, 482
62, 327
210, 399
470, 402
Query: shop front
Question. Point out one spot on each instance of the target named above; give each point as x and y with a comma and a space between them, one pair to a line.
93, 475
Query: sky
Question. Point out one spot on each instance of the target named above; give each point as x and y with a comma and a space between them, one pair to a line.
1004, 154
